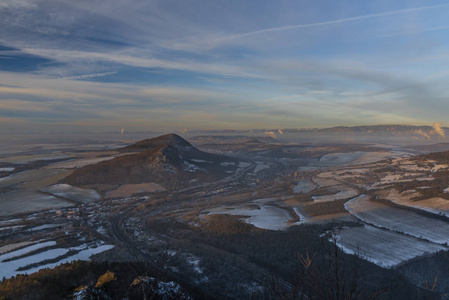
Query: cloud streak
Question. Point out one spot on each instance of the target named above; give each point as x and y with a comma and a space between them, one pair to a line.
326, 23
89, 76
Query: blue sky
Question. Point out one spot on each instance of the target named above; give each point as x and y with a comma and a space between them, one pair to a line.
169, 65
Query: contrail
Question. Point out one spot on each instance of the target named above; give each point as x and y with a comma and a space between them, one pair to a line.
337, 21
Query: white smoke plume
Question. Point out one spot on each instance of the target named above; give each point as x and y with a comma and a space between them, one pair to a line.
123, 130
423, 134
437, 127
270, 134
280, 131
183, 131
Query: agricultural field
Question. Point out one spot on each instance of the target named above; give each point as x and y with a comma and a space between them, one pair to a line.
383, 247
436, 205
38, 188
72, 193
34, 257
262, 214
304, 186
19, 201
399, 220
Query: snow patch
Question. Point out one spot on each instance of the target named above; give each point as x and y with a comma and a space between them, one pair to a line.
73, 193
304, 186
9, 169
190, 167
201, 161
243, 164
45, 226
261, 166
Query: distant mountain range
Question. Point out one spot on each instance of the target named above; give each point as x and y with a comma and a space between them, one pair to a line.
368, 129
423, 133
364, 128
231, 139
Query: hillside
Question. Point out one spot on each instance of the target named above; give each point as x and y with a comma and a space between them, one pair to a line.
167, 160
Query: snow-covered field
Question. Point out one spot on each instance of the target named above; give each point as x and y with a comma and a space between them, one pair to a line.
383, 247
344, 193
73, 193
46, 226
11, 247
371, 157
10, 222
304, 186
7, 169
243, 164
11, 227
339, 158
432, 205
26, 250
266, 217
14, 260
36, 175
399, 220
127, 190
261, 166
24, 159
82, 255
20, 201
358, 157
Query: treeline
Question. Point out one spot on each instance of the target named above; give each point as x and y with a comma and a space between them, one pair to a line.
99, 280
326, 208
279, 253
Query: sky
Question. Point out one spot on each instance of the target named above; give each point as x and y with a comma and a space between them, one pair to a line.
142, 65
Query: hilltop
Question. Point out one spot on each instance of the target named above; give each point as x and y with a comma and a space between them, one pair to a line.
168, 160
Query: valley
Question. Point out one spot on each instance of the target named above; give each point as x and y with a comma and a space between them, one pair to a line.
227, 222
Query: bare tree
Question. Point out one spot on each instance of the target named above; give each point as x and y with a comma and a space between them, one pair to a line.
324, 274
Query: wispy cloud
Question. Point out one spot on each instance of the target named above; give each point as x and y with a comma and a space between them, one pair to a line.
145, 63
89, 76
